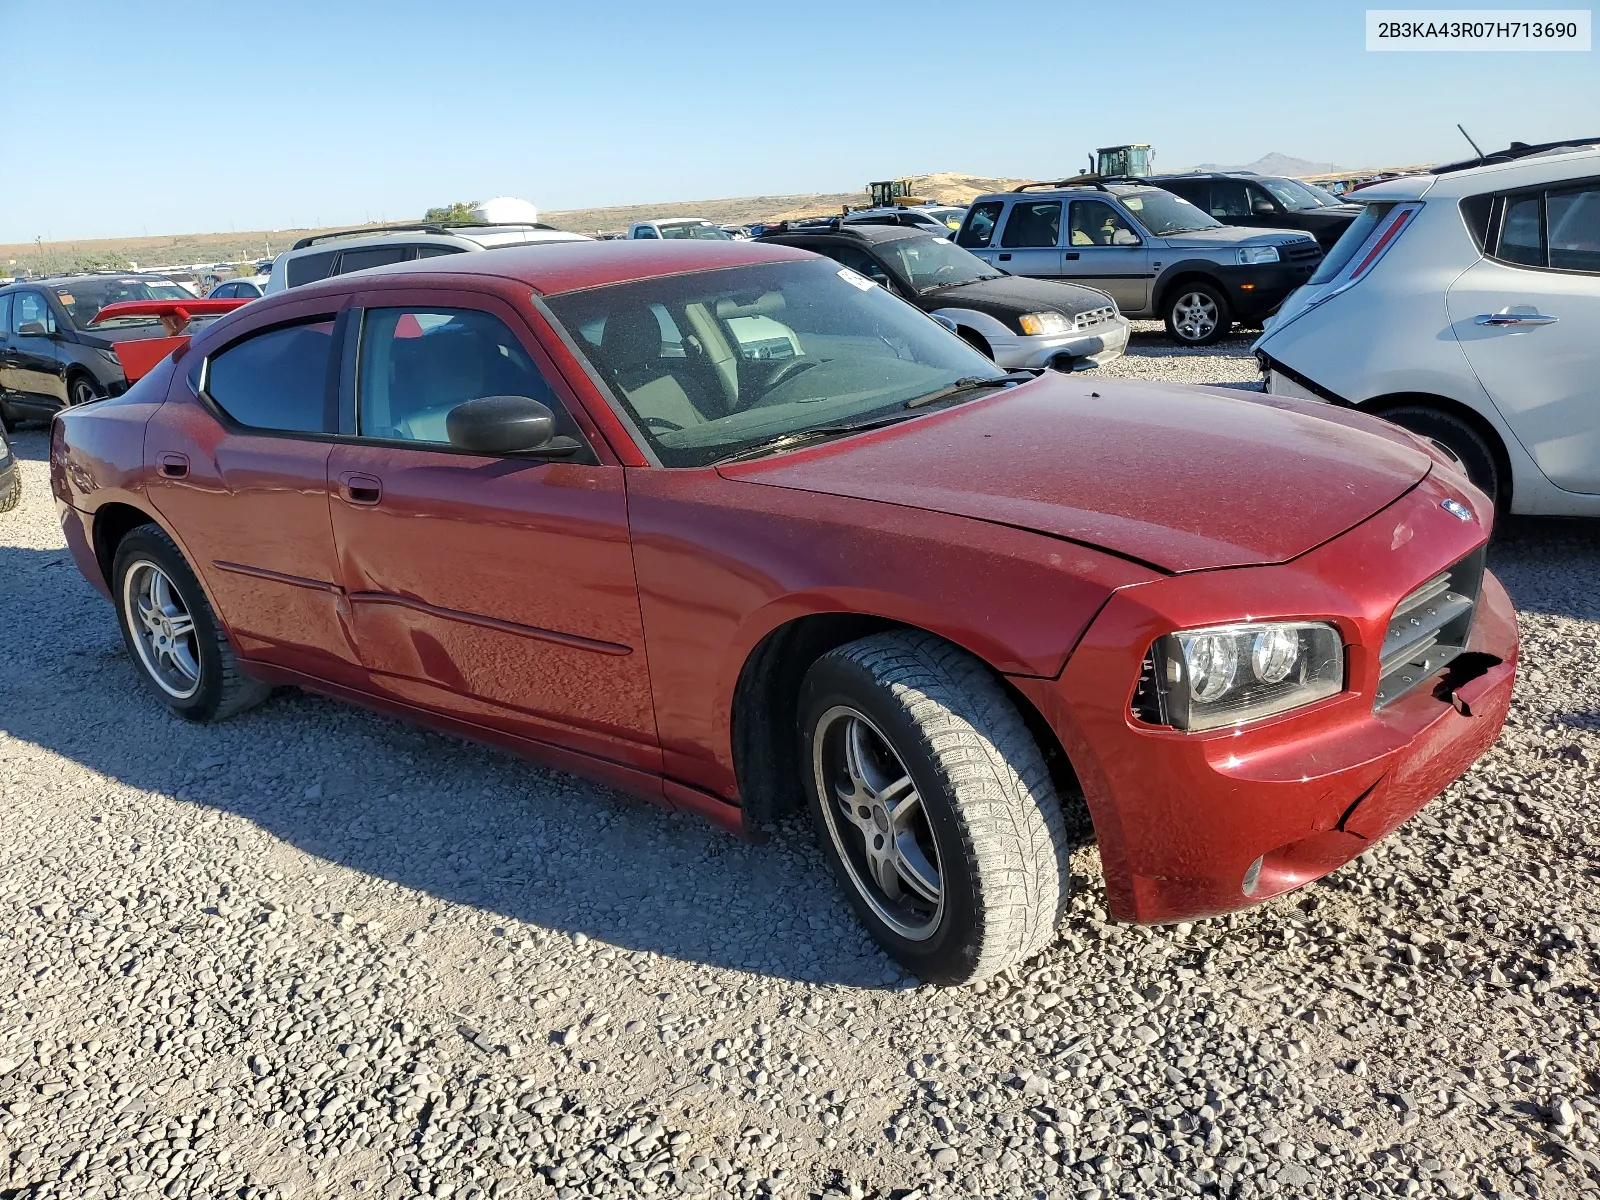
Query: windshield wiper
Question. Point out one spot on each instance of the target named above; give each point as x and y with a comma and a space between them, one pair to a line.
969, 383
800, 437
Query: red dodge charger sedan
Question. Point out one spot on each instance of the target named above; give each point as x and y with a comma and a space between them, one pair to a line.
729, 526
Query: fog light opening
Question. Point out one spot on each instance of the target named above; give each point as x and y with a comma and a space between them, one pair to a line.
1252, 876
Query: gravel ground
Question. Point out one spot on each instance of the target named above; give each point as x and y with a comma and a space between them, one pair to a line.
316, 952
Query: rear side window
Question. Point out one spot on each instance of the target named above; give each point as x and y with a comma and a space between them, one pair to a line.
309, 268
978, 231
1573, 217
281, 379
436, 251
29, 307
1033, 223
1476, 212
645, 231
5, 314
372, 256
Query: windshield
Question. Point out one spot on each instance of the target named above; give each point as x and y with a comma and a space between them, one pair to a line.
84, 298
715, 362
1163, 214
1324, 197
1292, 194
706, 233
933, 263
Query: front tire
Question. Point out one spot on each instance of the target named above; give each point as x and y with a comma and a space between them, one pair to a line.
172, 635
1197, 314
934, 806
81, 390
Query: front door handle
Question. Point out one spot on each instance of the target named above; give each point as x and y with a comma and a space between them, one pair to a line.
1005, 258
172, 466
358, 488
1521, 314
1070, 254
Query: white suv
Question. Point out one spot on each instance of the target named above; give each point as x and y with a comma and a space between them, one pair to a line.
323, 255
1464, 304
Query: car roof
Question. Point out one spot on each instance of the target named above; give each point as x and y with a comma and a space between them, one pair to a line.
52, 280
573, 266
476, 235
1536, 170
864, 231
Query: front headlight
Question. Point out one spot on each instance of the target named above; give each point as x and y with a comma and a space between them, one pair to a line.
109, 355
1257, 254
1043, 323
1227, 674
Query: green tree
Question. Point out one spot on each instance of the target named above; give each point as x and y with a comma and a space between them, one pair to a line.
459, 213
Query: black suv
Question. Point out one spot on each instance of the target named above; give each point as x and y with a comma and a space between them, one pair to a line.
50, 358
1019, 323
1263, 201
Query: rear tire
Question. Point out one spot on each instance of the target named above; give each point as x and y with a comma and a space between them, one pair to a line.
1197, 314
11, 496
1478, 458
934, 806
175, 640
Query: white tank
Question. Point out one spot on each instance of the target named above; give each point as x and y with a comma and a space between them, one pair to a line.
505, 210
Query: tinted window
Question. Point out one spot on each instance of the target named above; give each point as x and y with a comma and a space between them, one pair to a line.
858, 260
1476, 211
418, 364
31, 306
1229, 198
373, 256
225, 291
1521, 239
979, 229
5, 314
1574, 218
436, 251
278, 380
309, 268
1033, 223
1192, 190
1095, 223
644, 231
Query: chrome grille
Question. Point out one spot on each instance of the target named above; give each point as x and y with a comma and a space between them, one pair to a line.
1429, 628
1093, 316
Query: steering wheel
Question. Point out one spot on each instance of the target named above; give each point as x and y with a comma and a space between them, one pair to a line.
662, 423
787, 372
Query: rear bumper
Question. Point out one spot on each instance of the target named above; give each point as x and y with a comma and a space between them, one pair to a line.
77, 527
1194, 825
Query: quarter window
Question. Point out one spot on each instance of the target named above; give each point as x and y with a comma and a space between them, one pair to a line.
281, 379
418, 364
308, 268
978, 231
1521, 238
5, 315
1033, 224
372, 256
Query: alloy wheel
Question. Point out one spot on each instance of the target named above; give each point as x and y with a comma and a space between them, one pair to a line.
163, 630
878, 823
82, 392
1195, 316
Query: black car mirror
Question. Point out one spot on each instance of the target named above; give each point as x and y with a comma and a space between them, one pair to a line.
32, 329
1262, 207
506, 425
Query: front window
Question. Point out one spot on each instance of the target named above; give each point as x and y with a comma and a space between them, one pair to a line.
1293, 195
1163, 214
978, 230
1096, 223
84, 298
715, 363
933, 263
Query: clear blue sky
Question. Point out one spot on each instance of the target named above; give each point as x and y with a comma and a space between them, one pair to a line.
167, 117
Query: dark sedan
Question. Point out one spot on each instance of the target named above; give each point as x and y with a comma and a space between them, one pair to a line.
1018, 322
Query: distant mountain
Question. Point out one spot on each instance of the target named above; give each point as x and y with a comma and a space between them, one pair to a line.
1278, 164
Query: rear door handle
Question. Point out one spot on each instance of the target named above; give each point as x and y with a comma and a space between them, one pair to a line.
357, 488
1005, 258
1070, 254
1522, 314
172, 466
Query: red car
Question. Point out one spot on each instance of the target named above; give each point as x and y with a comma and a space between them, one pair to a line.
726, 525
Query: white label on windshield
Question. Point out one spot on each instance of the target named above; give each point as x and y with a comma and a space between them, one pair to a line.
855, 280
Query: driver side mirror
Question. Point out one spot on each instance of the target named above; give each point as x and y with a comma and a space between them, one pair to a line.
32, 329
1260, 206
506, 425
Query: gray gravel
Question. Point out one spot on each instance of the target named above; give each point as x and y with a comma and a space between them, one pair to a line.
318, 953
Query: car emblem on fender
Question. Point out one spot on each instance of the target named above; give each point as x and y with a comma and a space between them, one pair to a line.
1456, 509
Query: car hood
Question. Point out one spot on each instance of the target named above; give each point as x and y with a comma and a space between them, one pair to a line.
1233, 235
1179, 478
1017, 294
109, 336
